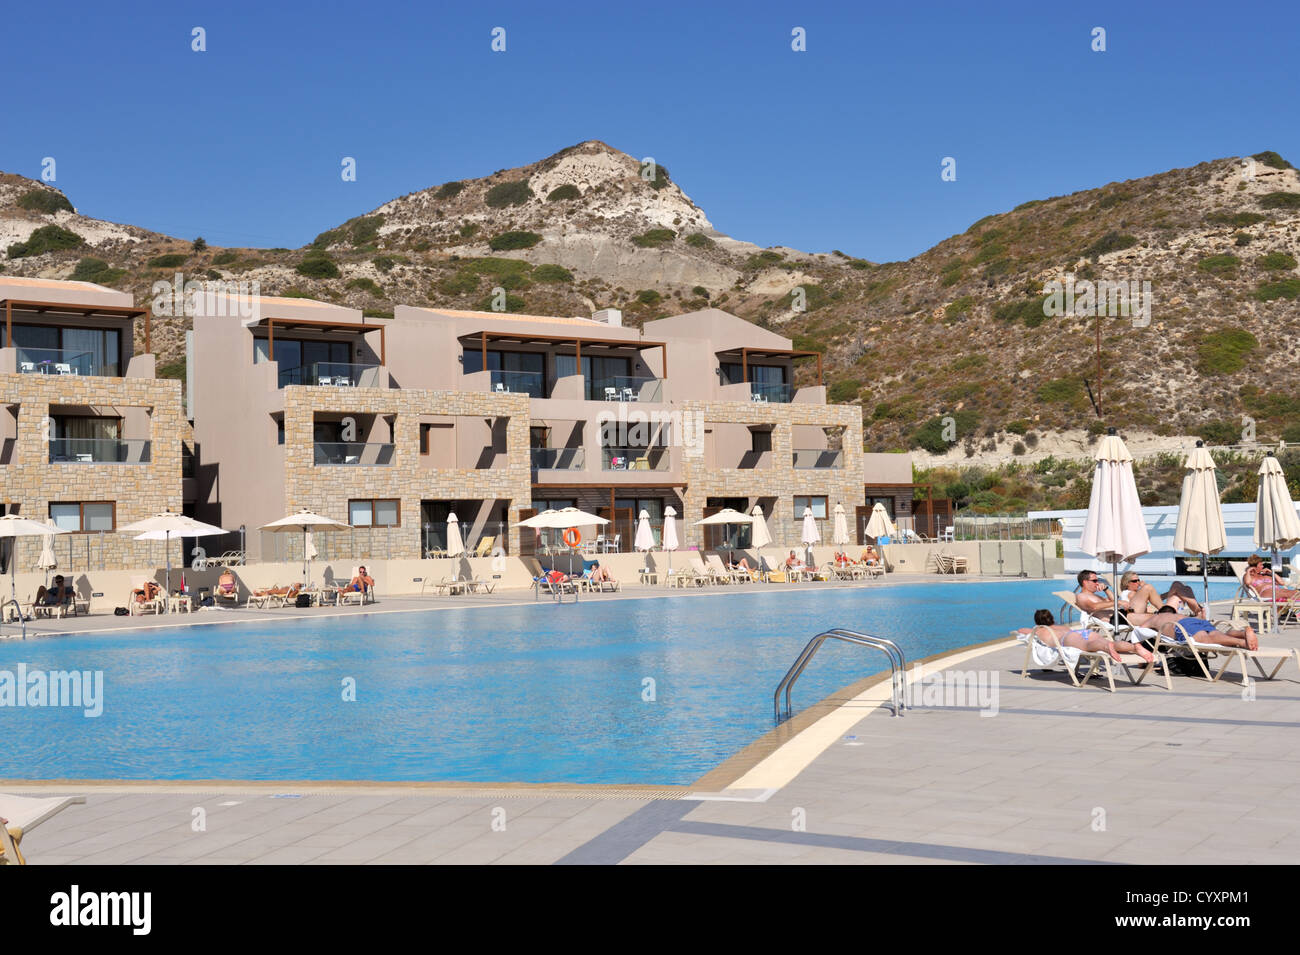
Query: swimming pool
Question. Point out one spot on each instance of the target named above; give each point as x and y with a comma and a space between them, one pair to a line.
538, 693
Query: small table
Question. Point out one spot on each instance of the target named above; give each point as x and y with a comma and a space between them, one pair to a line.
180, 603
648, 576
1260, 611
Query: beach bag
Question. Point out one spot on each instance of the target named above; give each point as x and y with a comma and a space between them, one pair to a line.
120, 611
303, 600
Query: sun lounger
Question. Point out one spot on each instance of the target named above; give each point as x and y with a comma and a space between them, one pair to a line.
145, 606
1203, 653
23, 814
485, 546
1044, 650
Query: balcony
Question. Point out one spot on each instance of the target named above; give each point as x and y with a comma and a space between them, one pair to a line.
352, 454
761, 393
332, 374
100, 451
55, 361
811, 459
619, 388
559, 459
635, 459
530, 383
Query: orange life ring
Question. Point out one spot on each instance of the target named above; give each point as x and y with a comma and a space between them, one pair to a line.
572, 537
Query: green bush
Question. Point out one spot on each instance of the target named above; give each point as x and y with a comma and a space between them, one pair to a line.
1221, 432
930, 435
327, 238
1270, 158
1224, 351
552, 273
468, 229
1277, 261
1029, 311
514, 280
814, 297
1283, 288
513, 240
968, 361
1241, 239
449, 190
648, 297
860, 264
1219, 264
367, 285
48, 238
45, 201
365, 229
385, 263
700, 291
514, 193
1018, 427
462, 283
990, 251
764, 259
809, 343
654, 238
1110, 242
844, 390
87, 269
170, 261
959, 309
1018, 448
175, 369
225, 258
1280, 200
661, 177
1064, 390
318, 265
698, 240
496, 266
561, 193
1238, 219
199, 245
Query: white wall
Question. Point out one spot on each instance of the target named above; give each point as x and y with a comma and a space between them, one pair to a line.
1238, 521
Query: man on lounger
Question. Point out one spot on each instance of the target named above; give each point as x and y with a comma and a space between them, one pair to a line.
361, 583
1094, 600
56, 596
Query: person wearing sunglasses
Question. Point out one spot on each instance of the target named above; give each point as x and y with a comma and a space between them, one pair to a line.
1094, 598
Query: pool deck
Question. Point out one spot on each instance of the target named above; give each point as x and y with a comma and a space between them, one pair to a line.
1207, 773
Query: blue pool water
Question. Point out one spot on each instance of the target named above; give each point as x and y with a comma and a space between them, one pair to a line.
540, 693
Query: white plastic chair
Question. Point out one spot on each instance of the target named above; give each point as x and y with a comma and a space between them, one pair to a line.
611, 394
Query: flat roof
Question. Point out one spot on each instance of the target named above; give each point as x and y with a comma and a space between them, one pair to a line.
75, 308
515, 317
316, 323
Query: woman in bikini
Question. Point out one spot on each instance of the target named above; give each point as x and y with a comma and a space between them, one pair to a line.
1259, 578
1081, 638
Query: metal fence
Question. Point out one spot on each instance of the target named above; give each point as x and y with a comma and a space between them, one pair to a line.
970, 526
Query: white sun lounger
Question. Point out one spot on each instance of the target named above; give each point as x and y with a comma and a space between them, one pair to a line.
25, 813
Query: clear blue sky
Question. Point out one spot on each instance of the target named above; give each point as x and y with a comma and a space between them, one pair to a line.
838, 147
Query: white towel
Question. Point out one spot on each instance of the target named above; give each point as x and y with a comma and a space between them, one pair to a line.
1046, 656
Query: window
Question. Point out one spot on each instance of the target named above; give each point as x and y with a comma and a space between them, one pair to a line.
424, 437
374, 513
818, 505
733, 373
887, 501
100, 345
761, 439
520, 371
293, 353
84, 517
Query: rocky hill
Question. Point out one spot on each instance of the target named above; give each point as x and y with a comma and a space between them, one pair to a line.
950, 351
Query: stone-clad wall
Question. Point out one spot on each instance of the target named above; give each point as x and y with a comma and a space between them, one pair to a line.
327, 489
31, 482
780, 481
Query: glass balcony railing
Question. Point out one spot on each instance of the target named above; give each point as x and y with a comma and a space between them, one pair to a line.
100, 451
635, 459
559, 459
812, 459
619, 388
332, 374
774, 393
55, 361
529, 383
353, 453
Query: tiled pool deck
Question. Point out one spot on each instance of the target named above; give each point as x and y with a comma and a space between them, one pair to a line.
1202, 774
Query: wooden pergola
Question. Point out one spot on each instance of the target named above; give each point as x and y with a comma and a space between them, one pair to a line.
613, 488
85, 311
481, 338
746, 353
288, 324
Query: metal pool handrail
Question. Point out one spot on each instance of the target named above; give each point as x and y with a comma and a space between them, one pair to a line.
897, 667
17, 607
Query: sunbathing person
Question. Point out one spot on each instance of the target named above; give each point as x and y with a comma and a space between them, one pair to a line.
361, 583
600, 575
793, 562
56, 596
148, 592
1203, 631
742, 564
1081, 638
1259, 577
226, 584
869, 556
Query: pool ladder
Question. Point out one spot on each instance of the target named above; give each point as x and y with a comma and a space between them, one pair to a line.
897, 667
18, 611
